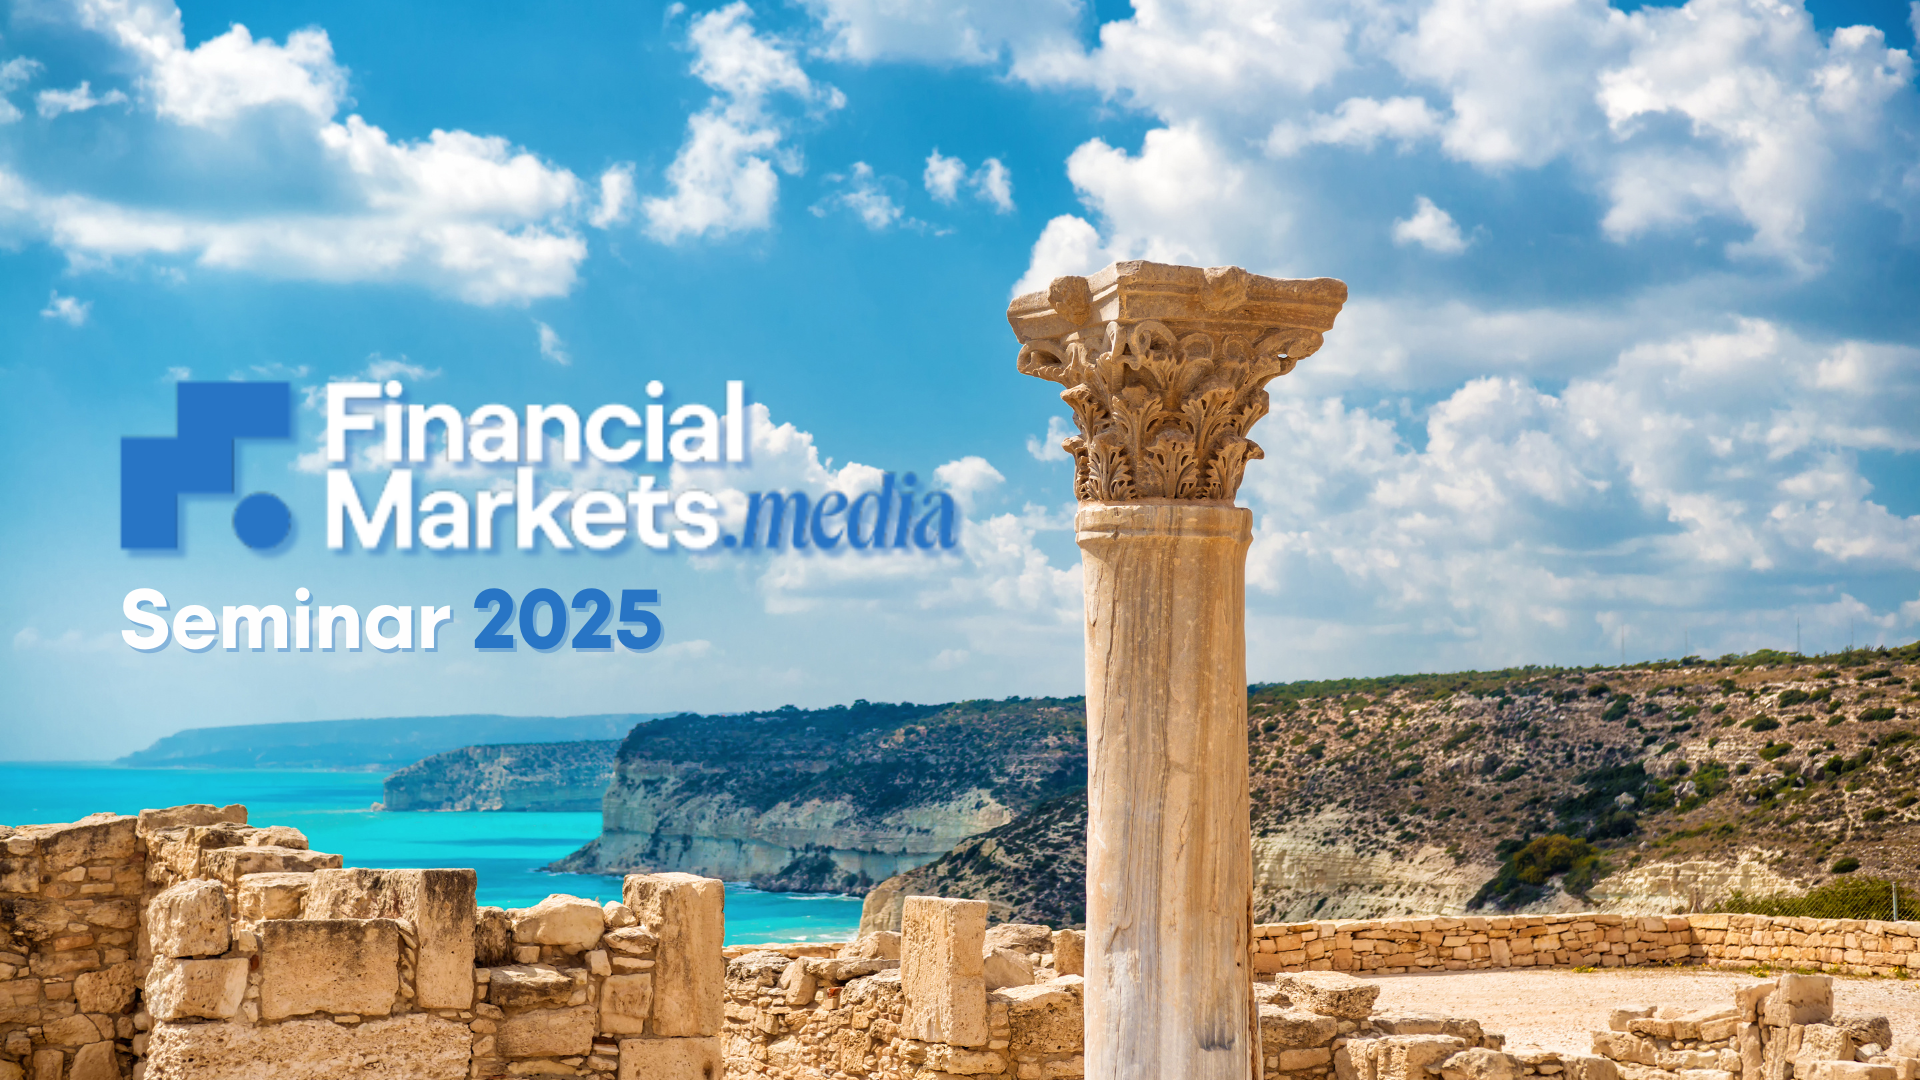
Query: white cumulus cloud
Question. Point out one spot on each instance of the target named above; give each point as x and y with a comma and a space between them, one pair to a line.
52, 103
724, 178
67, 309
1430, 227
551, 346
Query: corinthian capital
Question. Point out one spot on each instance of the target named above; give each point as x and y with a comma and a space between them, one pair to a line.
1165, 369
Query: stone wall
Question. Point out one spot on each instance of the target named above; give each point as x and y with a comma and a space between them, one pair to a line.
185, 944
1396, 946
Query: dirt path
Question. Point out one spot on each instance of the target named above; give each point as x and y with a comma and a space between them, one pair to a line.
1557, 1009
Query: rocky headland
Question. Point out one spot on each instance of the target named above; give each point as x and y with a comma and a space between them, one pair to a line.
830, 800
1673, 784
566, 776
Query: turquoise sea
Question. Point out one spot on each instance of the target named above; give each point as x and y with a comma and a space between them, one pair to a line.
333, 809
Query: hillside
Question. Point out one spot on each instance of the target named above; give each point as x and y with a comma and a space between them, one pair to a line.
1674, 782
556, 776
830, 800
378, 744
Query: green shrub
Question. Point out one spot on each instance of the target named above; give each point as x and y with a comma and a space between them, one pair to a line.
1763, 723
1884, 712
1876, 673
1848, 898
1774, 750
1616, 709
1873, 814
1528, 868
1846, 864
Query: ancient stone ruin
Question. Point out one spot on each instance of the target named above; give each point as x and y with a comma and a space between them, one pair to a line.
185, 944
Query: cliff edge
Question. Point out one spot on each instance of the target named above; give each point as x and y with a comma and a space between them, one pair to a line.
551, 777
829, 800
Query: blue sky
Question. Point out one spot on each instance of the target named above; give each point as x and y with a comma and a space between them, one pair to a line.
1631, 349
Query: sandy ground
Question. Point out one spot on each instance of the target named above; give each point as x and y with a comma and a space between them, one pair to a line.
1557, 1009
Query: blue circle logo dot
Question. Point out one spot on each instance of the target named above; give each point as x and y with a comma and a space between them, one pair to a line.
261, 521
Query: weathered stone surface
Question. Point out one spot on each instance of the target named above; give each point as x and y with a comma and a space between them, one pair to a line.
1617, 1019
1861, 1029
75, 1030
687, 915
879, 945
328, 965
272, 896
1481, 1064
625, 1003
109, 991
1005, 967
630, 941
174, 817
1044, 1018
439, 904
1020, 937
528, 986
547, 1032
1329, 993
1844, 1070
570, 922
1287, 1028
190, 919
1588, 1067
416, 1046
492, 937
941, 970
229, 864
797, 983
1394, 1057
205, 989
92, 838
11, 1071
1799, 999
671, 1059
1070, 952
95, 1062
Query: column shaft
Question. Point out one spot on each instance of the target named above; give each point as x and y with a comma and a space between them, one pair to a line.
1169, 845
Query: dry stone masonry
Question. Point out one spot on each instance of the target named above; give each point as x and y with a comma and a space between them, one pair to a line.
185, 944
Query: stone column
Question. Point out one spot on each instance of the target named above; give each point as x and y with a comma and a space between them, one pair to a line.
1165, 369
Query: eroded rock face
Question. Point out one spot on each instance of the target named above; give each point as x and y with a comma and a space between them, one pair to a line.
188, 989
437, 903
671, 1059
417, 1046
528, 986
547, 1033
1329, 993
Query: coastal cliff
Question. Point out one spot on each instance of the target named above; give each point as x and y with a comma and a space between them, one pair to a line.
552, 777
829, 800
1672, 786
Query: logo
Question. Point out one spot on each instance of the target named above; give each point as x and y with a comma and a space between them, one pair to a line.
199, 460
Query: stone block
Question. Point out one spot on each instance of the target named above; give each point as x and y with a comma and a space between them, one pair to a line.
1020, 937
879, 945
1846, 1070
439, 904
797, 983
1329, 993
190, 919
229, 864
625, 1003
195, 989
941, 970
75, 1030
1752, 997
1070, 952
94, 838
328, 965
95, 1062
1394, 1057
687, 915
1799, 999
272, 896
492, 937
1863, 1030
11, 1071
617, 915
1287, 1028
1822, 1042
1005, 967
47, 1064
671, 1059
173, 817
528, 986
415, 1046
1617, 1019
109, 991
568, 922
547, 1033
1588, 1067
1043, 1018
